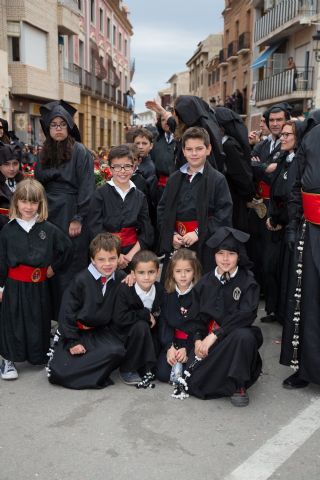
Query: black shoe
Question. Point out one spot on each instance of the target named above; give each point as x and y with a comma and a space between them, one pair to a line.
240, 398
294, 382
269, 318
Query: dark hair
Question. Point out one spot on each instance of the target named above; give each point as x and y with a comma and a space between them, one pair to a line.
120, 151
144, 256
143, 132
18, 178
104, 241
182, 254
56, 153
196, 132
134, 150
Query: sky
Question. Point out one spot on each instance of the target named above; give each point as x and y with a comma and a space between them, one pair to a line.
166, 34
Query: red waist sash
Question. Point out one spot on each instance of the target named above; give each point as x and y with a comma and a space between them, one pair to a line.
180, 334
311, 207
213, 325
162, 180
81, 326
128, 236
185, 227
263, 189
25, 273
4, 211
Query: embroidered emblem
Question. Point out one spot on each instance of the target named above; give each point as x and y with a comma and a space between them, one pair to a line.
236, 293
285, 175
36, 275
42, 235
181, 228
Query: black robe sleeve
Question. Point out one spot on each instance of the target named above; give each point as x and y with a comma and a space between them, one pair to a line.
145, 231
68, 315
128, 309
85, 181
62, 250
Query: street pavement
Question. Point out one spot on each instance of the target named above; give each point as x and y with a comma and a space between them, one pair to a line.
48, 432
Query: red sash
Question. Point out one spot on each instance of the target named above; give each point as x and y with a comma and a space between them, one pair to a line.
263, 190
213, 325
162, 180
128, 236
81, 326
185, 227
4, 211
25, 273
311, 207
180, 334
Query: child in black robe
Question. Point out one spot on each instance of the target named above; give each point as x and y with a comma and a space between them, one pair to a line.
119, 207
182, 274
10, 175
135, 314
31, 251
226, 360
85, 350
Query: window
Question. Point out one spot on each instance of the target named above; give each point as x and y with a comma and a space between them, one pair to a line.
14, 49
101, 16
80, 5
33, 40
120, 41
126, 47
125, 83
108, 28
114, 35
81, 53
92, 11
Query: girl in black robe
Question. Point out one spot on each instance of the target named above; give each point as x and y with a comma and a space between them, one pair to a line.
10, 175
31, 250
182, 274
226, 360
65, 169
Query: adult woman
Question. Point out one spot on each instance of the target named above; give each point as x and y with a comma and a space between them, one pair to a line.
4, 131
66, 171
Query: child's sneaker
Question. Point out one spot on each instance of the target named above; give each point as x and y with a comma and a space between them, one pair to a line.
130, 378
8, 371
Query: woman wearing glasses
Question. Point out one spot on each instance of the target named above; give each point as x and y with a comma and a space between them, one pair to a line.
66, 171
119, 207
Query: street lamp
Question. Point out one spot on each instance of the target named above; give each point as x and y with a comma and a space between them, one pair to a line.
316, 47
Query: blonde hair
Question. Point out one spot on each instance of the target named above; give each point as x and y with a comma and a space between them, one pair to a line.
182, 254
32, 191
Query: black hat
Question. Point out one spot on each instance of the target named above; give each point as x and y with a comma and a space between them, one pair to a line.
59, 108
9, 152
227, 238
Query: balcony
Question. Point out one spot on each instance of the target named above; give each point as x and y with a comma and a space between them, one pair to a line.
285, 86
285, 15
223, 58
232, 51
69, 83
244, 43
68, 17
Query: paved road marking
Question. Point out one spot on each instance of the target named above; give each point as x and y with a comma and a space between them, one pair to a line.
265, 461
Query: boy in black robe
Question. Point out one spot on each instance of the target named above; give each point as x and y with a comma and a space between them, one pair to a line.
135, 314
86, 351
226, 360
195, 202
10, 175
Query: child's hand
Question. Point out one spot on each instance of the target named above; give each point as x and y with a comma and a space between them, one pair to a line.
122, 262
152, 320
206, 344
189, 239
50, 272
181, 355
171, 356
130, 279
77, 349
177, 241
75, 229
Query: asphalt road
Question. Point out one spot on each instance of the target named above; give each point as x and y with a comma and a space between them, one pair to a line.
51, 433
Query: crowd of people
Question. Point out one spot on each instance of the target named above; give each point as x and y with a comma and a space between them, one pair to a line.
153, 256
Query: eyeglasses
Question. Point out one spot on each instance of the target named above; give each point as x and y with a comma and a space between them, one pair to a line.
118, 168
58, 125
285, 134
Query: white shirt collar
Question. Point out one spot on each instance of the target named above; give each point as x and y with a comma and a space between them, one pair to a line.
147, 298
184, 293
290, 157
13, 187
121, 192
218, 275
96, 274
185, 167
27, 224
224, 139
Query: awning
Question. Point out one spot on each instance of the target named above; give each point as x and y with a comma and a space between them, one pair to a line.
262, 60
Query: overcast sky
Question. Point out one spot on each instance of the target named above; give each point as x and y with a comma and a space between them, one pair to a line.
166, 34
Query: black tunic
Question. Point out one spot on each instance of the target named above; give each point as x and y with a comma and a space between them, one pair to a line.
206, 199
84, 302
26, 307
5, 197
234, 358
109, 213
131, 323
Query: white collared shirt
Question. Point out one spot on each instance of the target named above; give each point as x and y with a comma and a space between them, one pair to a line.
274, 144
118, 189
184, 293
97, 275
147, 298
185, 168
290, 157
13, 187
27, 224
218, 275
224, 139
